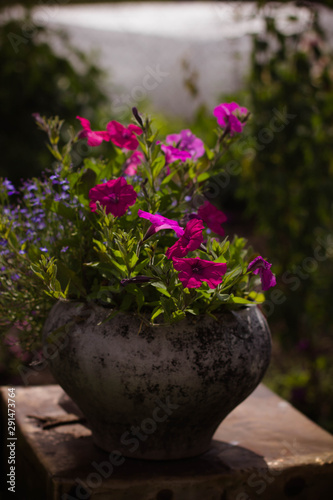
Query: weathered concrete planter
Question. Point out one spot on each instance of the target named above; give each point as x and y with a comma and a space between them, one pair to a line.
157, 392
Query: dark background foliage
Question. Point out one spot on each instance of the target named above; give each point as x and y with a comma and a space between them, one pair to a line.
34, 78
277, 191
286, 182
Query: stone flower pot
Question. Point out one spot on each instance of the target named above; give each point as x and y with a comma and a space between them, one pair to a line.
156, 392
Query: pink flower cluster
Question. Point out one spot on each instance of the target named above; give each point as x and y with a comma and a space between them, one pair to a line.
192, 271
182, 146
123, 137
117, 195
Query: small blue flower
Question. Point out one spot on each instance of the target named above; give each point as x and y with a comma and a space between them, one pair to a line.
9, 187
30, 186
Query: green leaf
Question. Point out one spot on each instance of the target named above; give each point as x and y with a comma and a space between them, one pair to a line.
120, 267
86, 181
54, 153
113, 314
223, 297
164, 292
138, 267
12, 239
234, 273
143, 147
220, 260
158, 165
152, 138
203, 177
239, 300
178, 315
168, 178
209, 153
64, 211
257, 297
133, 260
160, 287
139, 297
126, 302
72, 279
156, 312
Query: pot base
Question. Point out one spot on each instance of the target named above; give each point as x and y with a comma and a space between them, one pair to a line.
159, 454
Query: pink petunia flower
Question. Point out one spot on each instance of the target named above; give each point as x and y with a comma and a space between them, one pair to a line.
123, 137
115, 195
192, 272
189, 241
213, 217
263, 268
159, 222
186, 141
173, 154
94, 138
131, 164
227, 116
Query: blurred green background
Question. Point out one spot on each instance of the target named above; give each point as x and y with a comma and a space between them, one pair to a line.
280, 196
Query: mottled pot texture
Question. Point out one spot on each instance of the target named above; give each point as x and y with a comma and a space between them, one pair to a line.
156, 392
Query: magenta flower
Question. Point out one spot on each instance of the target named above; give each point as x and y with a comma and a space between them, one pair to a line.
159, 222
123, 137
189, 241
228, 114
186, 141
192, 272
115, 195
131, 164
263, 268
94, 138
213, 217
173, 154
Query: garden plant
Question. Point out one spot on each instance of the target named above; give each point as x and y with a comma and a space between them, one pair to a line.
136, 231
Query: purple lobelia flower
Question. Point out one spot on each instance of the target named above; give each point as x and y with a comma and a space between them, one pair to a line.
9, 188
